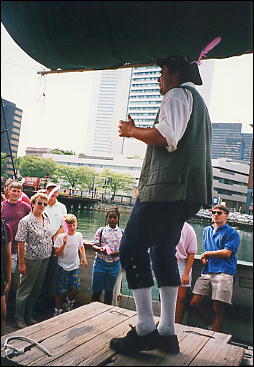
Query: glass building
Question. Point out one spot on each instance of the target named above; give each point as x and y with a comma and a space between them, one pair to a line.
144, 97
107, 107
229, 142
11, 117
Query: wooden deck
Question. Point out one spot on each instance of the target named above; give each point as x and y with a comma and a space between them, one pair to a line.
81, 338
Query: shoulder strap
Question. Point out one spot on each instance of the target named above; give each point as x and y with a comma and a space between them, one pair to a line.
100, 236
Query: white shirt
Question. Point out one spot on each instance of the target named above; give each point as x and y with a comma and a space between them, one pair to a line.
175, 112
56, 213
69, 260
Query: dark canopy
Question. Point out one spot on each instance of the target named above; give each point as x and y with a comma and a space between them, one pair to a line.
110, 34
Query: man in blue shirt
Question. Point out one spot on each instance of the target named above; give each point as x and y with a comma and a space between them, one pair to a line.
221, 243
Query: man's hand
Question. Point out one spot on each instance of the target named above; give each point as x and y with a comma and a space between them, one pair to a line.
125, 128
204, 258
22, 269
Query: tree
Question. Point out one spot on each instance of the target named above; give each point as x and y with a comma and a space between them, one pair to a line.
83, 176
4, 161
33, 166
72, 175
61, 151
89, 177
117, 181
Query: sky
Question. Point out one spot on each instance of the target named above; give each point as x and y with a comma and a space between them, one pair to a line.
60, 118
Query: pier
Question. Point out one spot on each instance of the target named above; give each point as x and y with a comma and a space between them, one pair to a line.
81, 338
78, 201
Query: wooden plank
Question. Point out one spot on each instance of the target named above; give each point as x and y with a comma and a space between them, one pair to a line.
64, 344
96, 351
217, 352
53, 326
81, 338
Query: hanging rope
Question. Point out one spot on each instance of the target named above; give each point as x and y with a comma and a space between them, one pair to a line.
40, 95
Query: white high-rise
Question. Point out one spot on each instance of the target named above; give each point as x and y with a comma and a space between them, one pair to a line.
108, 106
143, 104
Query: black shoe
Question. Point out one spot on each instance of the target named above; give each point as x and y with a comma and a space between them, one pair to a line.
133, 343
168, 343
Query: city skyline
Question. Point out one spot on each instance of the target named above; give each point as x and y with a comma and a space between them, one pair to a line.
60, 118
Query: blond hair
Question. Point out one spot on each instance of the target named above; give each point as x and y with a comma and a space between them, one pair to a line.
38, 195
14, 184
70, 218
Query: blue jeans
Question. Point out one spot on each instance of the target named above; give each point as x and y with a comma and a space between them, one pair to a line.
152, 233
104, 275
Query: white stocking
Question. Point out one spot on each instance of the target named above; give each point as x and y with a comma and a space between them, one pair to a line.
144, 307
168, 297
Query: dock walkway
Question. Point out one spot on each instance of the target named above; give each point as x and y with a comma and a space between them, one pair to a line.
81, 338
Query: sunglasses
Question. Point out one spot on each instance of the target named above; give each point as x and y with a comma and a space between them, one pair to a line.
40, 203
216, 212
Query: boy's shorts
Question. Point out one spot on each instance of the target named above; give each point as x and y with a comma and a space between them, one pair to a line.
217, 286
67, 281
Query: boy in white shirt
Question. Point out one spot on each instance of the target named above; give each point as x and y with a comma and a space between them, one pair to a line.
67, 248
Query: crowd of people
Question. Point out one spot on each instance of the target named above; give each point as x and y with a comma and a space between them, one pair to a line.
41, 247
34, 234
175, 182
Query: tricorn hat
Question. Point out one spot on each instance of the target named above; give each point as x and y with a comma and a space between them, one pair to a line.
188, 68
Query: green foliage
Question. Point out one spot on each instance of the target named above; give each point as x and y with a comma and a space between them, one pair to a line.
83, 176
135, 156
89, 177
60, 151
69, 174
33, 166
117, 181
4, 161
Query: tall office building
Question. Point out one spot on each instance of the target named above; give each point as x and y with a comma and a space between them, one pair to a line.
109, 105
143, 104
11, 117
144, 97
246, 151
229, 142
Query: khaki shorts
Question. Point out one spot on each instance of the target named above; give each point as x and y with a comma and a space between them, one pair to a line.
217, 286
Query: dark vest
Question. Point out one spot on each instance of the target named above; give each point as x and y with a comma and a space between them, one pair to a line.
186, 173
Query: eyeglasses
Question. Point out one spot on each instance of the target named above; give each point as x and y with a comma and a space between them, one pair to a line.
216, 212
41, 203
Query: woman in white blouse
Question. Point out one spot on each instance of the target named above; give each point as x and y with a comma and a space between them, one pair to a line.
34, 249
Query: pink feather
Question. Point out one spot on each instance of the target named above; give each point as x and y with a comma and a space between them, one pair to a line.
64, 225
208, 48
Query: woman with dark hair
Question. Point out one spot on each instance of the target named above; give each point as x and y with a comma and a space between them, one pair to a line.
106, 266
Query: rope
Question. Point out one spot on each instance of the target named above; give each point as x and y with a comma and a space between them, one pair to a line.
11, 351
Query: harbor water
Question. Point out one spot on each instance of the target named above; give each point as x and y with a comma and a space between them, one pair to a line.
90, 220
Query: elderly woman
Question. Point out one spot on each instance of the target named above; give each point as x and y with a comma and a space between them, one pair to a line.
34, 249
